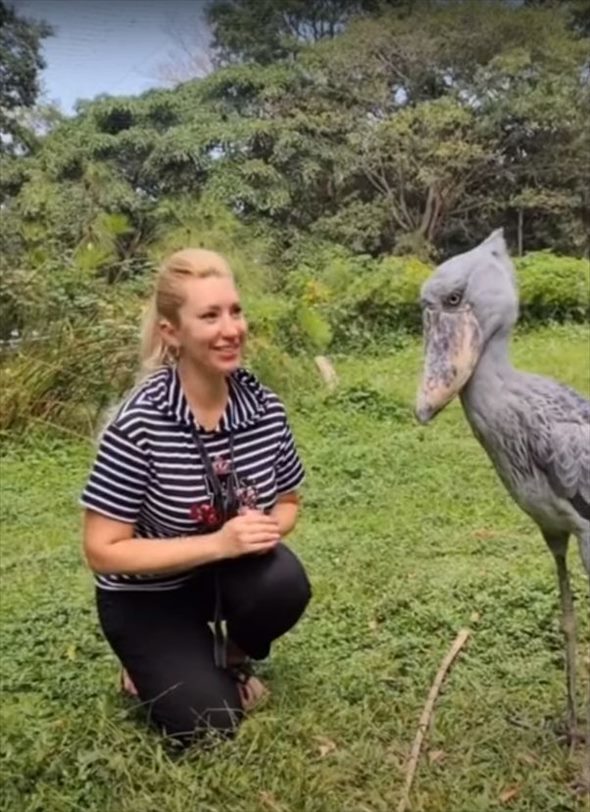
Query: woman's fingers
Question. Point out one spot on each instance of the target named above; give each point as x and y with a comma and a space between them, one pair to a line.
261, 537
258, 523
250, 533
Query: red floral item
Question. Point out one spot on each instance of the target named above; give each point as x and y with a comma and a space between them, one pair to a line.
244, 497
204, 514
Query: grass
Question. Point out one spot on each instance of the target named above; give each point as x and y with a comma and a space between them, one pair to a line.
407, 536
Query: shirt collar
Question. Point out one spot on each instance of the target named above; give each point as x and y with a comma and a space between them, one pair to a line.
247, 402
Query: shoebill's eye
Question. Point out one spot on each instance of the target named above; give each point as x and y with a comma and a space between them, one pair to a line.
453, 299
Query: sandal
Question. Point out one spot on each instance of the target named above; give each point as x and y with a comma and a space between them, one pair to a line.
253, 692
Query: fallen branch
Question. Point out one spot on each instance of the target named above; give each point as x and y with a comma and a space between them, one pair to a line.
424, 722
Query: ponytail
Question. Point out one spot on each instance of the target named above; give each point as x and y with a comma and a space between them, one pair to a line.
153, 350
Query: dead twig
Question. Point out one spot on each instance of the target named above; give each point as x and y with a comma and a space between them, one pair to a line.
424, 722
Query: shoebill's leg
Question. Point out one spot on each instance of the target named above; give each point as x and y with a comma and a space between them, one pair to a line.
558, 546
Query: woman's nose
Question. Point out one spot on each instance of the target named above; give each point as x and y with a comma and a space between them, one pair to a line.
230, 326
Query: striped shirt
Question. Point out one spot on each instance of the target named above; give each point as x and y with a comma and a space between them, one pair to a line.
148, 470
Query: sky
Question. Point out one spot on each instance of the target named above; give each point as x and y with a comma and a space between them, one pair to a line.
114, 46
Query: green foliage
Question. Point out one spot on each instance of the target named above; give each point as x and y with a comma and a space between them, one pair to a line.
427, 162
409, 132
362, 300
553, 288
365, 302
68, 373
316, 330
284, 372
205, 222
21, 62
265, 31
382, 301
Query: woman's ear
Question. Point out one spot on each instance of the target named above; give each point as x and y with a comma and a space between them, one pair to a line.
169, 335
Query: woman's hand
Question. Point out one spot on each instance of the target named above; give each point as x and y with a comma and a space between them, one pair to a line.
250, 532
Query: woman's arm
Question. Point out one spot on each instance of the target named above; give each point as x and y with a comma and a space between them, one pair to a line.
285, 512
110, 547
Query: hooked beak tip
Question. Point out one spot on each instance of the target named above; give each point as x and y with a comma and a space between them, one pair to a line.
424, 414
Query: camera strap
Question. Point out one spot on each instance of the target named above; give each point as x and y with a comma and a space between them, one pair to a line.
219, 640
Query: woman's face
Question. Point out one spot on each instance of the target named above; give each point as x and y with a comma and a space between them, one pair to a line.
211, 331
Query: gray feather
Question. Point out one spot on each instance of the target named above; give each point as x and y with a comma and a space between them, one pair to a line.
559, 439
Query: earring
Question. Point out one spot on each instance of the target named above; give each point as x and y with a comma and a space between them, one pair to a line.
173, 353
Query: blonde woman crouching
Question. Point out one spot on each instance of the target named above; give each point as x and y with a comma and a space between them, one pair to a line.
193, 488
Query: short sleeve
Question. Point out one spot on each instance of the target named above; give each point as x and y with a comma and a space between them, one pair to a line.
118, 480
289, 469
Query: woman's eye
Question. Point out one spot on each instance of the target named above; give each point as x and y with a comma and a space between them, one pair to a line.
453, 299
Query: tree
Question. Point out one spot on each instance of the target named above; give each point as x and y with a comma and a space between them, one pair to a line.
20, 64
416, 130
578, 12
265, 31
407, 132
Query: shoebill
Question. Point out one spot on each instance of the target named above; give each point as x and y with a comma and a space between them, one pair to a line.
535, 431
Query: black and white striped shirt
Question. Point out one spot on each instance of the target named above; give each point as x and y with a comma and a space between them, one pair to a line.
148, 470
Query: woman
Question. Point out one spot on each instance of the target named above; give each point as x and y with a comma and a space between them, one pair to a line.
193, 488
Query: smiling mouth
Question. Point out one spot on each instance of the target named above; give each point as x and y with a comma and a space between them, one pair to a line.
233, 350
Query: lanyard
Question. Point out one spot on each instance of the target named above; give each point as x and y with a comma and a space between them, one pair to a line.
219, 639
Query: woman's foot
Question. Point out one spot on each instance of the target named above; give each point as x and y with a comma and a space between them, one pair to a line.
127, 685
253, 692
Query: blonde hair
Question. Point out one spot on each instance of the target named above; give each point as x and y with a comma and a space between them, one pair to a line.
167, 298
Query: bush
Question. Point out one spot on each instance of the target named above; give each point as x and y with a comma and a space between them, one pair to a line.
331, 300
553, 288
382, 300
76, 369
368, 301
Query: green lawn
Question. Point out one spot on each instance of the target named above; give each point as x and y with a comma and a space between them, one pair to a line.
407, 536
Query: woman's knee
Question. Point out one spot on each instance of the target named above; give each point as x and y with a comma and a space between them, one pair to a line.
276, 579
188, 717
285, 583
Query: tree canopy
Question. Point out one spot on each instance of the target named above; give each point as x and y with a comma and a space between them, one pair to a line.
399, 128
265, 31
332, 156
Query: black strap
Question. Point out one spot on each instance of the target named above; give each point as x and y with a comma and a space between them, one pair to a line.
219, 639
213, 478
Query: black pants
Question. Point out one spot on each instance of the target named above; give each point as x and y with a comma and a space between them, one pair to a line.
164, 641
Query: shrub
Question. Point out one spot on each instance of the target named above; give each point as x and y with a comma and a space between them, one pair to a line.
368, 301
76, 369
382, 300
331, 300
553, 288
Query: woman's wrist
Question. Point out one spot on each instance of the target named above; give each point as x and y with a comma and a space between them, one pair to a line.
214, 543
